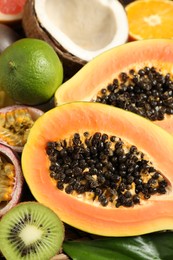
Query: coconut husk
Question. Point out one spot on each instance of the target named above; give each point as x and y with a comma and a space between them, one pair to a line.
33, 29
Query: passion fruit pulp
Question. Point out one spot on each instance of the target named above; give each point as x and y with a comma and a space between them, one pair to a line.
11, 179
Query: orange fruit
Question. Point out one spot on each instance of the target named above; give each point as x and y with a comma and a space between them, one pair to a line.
150, 19
30, 71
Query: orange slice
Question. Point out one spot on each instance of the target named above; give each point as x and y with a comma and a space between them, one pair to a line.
150, 19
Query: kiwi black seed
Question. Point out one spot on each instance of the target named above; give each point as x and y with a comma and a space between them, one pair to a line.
30, 230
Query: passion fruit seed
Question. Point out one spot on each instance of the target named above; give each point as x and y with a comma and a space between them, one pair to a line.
146, 92
7, 175
106, 170
15, 126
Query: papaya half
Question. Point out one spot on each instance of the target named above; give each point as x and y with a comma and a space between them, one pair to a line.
136, 76
102, 169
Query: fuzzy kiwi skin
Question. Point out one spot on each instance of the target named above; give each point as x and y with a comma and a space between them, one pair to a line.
9, 250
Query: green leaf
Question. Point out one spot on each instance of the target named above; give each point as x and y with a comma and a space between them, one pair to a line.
155, 246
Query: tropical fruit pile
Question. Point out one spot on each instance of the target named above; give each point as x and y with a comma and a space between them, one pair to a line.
86, 145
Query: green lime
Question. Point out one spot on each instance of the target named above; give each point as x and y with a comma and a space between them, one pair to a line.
30, 71
5, 100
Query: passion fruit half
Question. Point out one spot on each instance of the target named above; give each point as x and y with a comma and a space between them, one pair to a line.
11, 179
15, 124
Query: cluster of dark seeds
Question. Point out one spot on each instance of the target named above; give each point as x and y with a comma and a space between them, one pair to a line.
14, 236
104, 168
146, 92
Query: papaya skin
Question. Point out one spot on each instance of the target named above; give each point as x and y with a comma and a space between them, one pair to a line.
101, 71
150, 215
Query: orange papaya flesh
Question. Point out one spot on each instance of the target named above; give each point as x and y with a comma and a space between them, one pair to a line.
139, 75
82, 210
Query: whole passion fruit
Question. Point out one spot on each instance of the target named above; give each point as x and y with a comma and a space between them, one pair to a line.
7, 36
15, 124
11, 179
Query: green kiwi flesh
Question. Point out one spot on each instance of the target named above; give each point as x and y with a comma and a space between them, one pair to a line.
30, 230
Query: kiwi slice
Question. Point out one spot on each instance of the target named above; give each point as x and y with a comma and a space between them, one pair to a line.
30, 230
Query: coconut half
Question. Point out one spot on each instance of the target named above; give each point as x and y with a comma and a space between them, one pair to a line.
79, 30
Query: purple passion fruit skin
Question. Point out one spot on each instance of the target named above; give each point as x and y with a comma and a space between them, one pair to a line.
11, 179
15, 123
7, 36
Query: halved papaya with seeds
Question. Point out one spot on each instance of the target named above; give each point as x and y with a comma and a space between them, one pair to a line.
136, 76
102, 169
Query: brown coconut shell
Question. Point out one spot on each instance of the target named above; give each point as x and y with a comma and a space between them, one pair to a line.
33, 29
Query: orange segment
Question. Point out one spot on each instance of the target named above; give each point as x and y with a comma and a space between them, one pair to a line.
150, 19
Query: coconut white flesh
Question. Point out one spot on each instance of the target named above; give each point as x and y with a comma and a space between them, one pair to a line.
85, 28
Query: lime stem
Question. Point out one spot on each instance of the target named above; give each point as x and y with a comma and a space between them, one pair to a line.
12, 65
